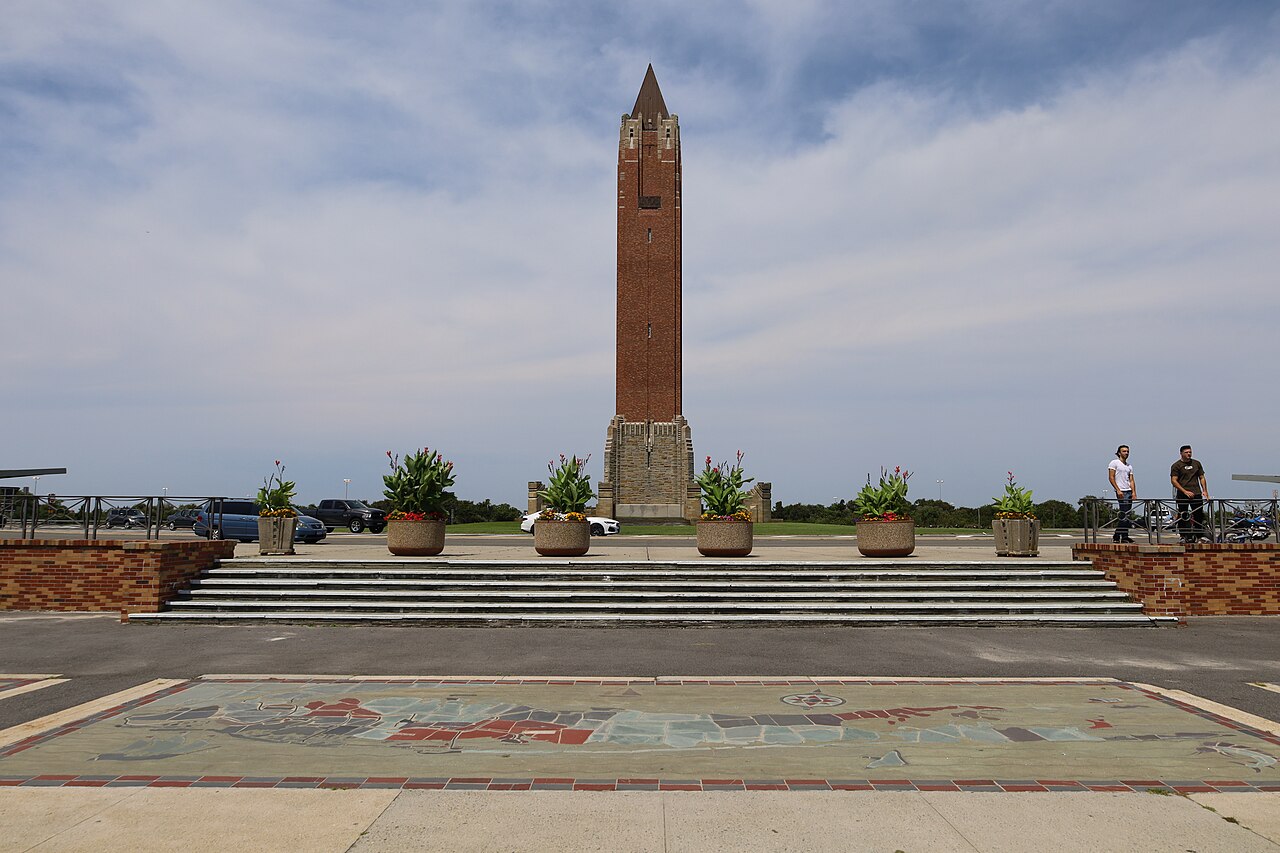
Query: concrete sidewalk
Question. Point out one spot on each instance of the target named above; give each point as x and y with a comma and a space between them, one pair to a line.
146, 819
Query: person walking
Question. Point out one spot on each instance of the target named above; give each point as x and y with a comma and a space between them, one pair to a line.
1120, 473
1191, 490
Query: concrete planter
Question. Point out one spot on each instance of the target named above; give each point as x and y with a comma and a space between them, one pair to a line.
407, 538
724, 538
886, 538
275, 535
561, 538
1017, 537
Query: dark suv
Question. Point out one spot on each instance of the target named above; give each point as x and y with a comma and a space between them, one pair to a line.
126, 518
354, 515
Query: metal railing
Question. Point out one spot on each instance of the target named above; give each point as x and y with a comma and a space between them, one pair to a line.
1169, 520
25, 514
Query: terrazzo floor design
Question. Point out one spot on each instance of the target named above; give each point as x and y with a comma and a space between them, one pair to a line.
652, 734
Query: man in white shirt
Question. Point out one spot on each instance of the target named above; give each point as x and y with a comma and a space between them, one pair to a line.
1120, 473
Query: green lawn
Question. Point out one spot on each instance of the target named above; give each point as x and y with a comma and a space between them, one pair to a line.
484, 527
773, 528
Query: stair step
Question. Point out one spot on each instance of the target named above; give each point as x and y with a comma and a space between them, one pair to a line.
204, 592
604, 592
667, 605
666, 574
337, 616
613, 583
579, 562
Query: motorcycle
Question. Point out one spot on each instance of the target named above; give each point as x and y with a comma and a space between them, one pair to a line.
1246, 528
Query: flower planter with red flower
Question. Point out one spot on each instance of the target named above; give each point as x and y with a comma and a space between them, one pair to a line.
561, 535
725, 537
1016, 528
884, 527
414, 534
277, 519
725, 529
562, 530
415, 489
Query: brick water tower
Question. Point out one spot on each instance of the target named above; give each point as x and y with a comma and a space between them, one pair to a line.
648, 452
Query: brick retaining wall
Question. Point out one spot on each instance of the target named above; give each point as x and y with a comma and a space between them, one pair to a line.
102, 574
1193, 580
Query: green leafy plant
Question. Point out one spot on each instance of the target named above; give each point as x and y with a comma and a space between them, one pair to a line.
723, 498
1015, 502
569, 488
275, 498
885, 501
415, 487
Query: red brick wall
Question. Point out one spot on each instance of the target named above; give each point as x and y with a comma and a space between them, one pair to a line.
649, 311
103, 574
1193, 580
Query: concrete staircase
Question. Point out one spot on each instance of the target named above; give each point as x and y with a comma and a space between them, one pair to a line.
705, 592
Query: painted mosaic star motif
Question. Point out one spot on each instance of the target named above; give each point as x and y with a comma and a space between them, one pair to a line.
817, 699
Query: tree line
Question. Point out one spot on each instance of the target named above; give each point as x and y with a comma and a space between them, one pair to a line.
929, 512
463, 511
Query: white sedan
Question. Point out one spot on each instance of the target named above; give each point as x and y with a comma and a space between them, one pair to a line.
599, 526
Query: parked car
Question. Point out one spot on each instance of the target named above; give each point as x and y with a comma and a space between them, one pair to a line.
127, 518
239, 520
351, 514
181, 518
599, 526
1164, 519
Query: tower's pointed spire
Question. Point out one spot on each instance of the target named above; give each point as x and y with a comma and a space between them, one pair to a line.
649, 102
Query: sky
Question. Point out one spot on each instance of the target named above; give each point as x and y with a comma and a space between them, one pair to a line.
963, 237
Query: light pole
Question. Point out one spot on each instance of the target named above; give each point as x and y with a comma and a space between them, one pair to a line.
939, 482
346, 484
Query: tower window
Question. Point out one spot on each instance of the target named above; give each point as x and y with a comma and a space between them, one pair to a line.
650, 202
648, 235
649, 329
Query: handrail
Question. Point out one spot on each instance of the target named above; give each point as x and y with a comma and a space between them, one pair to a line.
90, 512
1169, 520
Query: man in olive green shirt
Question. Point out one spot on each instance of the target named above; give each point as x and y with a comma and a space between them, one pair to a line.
1191, 490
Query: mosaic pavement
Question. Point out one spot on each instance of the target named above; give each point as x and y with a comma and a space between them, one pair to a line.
647, 734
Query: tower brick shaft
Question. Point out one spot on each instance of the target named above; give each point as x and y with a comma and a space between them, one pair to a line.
648, 318
648, 452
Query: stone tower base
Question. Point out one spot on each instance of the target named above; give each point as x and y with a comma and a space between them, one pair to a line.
648, 472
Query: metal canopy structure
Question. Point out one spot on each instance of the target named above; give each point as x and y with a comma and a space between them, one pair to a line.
14, 473
1257, 478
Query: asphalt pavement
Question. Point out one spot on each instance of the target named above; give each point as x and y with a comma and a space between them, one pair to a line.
1216, 657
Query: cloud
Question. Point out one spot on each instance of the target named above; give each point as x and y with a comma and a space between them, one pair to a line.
231, 233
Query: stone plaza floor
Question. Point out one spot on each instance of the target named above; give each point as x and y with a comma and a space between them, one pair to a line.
651, 734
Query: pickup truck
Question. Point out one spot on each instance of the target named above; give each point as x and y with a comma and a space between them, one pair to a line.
354, 515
